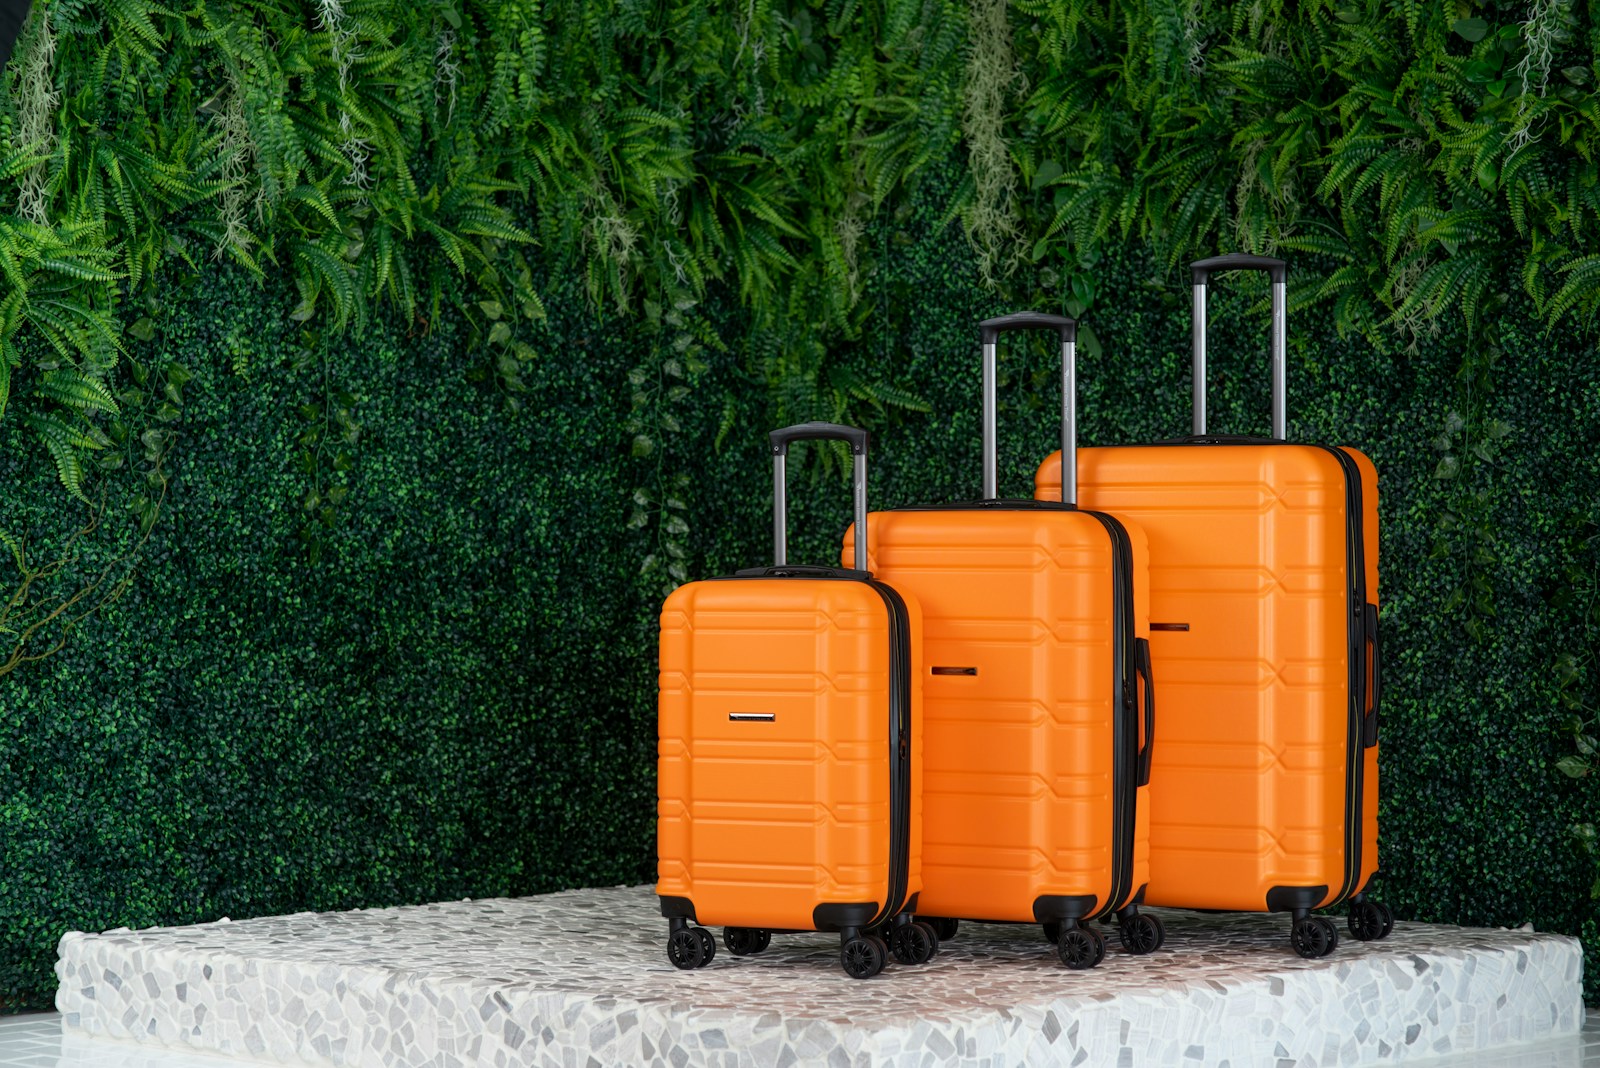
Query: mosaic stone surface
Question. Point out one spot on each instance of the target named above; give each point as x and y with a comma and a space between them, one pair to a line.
581, 978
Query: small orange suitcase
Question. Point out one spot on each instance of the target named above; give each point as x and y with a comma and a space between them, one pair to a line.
1264, 609
788, 798
1037, 737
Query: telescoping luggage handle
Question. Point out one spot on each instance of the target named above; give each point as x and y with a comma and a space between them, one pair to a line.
989, 333
1279, 271
857, 439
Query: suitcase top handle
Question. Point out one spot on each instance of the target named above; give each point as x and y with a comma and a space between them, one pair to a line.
989, 332
1279, 272
858, 440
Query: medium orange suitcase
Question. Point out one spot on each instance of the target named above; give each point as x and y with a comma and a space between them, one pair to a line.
1264, 610
1039, 707
790, 709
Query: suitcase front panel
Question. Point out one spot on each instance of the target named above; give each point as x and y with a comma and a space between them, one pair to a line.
1251, 631
774, 786
1019, 648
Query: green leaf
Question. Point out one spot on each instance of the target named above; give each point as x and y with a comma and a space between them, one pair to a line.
1473, 30
1573, 766
143, 328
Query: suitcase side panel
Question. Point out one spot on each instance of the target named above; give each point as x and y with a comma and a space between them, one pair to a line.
1017, 723
760, 821
1247, 548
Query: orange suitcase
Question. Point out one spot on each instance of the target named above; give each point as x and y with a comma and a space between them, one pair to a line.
790, 736
1037, 731
1264, 609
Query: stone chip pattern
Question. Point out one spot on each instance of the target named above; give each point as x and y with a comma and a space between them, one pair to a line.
581, 978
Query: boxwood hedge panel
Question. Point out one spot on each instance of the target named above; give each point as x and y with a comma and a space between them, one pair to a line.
455, 697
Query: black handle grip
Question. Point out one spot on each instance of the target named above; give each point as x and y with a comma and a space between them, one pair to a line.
1239, 261
991, 329
1369, 723
1142, 664
854, 436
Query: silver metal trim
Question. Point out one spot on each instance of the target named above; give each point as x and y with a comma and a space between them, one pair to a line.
753, 717
1280, 360
1069, 422
991, 478
780, 511
1199, 346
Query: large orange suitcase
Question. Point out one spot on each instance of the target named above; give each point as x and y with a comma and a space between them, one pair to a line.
788, 800
1264, 610
1037, 733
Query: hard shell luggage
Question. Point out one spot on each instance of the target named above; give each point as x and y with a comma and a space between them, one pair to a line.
790, 736
1039, 707
1264, 621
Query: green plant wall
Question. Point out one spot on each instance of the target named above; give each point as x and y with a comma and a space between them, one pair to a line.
457, 699
395, 359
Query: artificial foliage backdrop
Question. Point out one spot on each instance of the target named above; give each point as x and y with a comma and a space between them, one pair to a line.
369, 371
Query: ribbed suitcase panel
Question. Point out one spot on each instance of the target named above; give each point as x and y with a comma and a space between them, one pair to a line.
1248, 551
759, 822
1017, 757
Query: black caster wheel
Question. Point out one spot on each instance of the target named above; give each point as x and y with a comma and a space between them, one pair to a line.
1141, 934
687, 950
1366, 921
1052, 931
914, 943
744, 941
1314, 936
1081, 947
942, 926
1388, 919
863, 956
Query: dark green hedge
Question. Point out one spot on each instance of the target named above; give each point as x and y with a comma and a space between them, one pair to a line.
457, 698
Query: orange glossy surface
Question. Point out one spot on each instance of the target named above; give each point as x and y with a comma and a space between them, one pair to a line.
1018, 758
1247, 547
760, 822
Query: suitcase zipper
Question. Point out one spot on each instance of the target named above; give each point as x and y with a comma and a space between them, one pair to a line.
1124, 776
1355, 750
899, 750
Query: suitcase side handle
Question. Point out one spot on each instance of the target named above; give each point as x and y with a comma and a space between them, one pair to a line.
781, 439
1142, 664
1369, 725
1278, 270
989, 332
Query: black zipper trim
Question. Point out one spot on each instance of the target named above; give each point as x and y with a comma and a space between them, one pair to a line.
1124, 741
899, 716
1356, 602
899, 750
1355, 751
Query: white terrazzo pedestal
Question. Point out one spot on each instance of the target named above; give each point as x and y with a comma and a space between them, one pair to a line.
581, 978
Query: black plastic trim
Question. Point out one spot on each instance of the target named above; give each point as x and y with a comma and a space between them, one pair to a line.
1057, 907
1355, 751
1291, 898
1200, 270
1369, 732
1143, 666
837, 915
1125, 701
989, 330
853, 436
899, 749
677, 907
